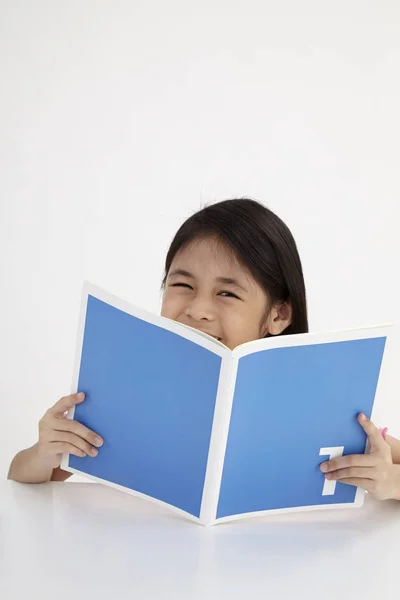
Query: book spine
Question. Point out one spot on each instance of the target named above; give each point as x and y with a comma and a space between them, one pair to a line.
219, 438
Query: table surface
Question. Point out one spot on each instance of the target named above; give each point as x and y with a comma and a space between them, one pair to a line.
84, 540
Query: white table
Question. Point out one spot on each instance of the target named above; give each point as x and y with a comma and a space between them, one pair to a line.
83, 541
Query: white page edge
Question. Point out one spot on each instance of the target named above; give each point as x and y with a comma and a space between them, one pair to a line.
126, 490
77, 362
308, 339
218, 440
358, 503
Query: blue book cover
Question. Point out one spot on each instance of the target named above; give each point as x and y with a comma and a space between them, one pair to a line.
213, 433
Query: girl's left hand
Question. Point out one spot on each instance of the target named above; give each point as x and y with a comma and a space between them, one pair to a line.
374, 472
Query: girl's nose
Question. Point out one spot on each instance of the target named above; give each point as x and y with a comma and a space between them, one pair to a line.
200, 309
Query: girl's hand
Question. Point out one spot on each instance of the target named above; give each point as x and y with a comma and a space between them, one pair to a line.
59, 435
374, 472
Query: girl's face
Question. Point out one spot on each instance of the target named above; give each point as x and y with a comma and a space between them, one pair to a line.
208, 289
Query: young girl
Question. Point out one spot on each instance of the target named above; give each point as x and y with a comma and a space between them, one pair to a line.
232, 271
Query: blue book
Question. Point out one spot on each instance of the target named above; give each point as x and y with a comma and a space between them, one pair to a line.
213, 433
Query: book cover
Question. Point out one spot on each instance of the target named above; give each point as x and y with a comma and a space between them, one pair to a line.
213, 433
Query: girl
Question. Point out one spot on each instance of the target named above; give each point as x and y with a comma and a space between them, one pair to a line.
232, 271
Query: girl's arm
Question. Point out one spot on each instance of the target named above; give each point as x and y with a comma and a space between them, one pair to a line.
29, 467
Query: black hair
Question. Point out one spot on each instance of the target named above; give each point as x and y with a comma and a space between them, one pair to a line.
261, 242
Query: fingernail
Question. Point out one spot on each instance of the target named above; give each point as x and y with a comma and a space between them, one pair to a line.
81, 396
94, 452
328, 476
324, 467
98, 441
363, 417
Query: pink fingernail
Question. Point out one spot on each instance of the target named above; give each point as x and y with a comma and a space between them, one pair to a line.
384, 432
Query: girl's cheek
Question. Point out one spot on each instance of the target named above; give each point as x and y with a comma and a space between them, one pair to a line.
168, 308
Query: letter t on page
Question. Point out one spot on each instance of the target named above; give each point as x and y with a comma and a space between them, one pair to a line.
333, 452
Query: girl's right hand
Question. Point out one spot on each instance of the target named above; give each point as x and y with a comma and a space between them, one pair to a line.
59, 435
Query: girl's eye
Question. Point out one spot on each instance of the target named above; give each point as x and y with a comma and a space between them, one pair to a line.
186, 285
224, 293
229, 295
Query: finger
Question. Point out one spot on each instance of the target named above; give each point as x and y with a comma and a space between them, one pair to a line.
65, 448
351, 473
351, 460
366, 484
74, 440
65, 403
375, 438
79, 430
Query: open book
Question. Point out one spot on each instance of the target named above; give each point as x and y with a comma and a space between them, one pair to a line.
213, 433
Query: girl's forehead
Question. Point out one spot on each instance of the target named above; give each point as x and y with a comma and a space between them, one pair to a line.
208, 252
210, 257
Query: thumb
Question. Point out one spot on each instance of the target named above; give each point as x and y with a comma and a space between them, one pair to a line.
66, 403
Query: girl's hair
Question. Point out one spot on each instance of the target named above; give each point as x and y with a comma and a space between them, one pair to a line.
260, 241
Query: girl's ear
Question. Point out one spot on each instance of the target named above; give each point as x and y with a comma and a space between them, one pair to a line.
278, 319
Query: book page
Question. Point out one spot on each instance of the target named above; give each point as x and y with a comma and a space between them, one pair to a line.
151, 394
293, 408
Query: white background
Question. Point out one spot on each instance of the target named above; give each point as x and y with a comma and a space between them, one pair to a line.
118, 119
